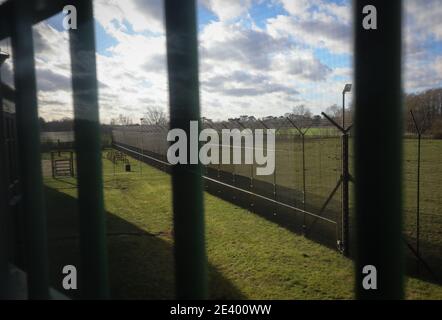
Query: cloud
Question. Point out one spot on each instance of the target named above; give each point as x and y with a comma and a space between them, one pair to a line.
141, 15
241, 83
51, 81
422, 38
240, 63
296, 8
301, 54
238, 45
227, 9
323, 28
235, 47
423, 19
155, 63
304, 66
246, 69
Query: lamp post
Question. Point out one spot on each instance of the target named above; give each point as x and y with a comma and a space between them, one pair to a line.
347, 88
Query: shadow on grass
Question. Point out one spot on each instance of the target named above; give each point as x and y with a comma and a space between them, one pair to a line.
140, 263
322, 232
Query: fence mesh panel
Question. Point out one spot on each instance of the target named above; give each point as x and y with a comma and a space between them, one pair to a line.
308, 168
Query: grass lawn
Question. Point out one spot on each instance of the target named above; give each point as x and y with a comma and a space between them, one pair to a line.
249, 257
323, 169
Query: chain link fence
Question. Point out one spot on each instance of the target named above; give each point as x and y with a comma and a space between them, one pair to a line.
305, 192
422, 185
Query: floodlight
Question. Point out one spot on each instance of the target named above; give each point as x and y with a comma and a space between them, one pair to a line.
347, 88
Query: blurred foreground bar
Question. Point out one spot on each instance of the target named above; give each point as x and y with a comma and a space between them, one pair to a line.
182, 59
378, 149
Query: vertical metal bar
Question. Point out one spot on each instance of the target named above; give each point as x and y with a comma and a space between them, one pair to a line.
252, 170
72, 164
182, 61
418, 193
141, 151
304, 196
94, 280
344, 195
53, 164
378, 153
418, 182
4, 245
251, 173
220, 154
29, 149
343, 110
274, 186
233, 165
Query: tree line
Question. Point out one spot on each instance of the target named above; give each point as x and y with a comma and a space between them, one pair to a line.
426, 107
427, 110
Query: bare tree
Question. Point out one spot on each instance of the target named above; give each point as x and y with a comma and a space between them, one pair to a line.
301, 111
301, 115
334, 111
154, 116
427, 110
121, 120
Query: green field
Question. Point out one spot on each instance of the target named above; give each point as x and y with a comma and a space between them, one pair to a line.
249, 257
323, 169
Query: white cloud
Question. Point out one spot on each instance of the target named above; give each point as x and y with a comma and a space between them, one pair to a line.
140, 14
227, 9
52, 62
247, 70
422, 32
316, 24
298, 7
130, 75
244, 68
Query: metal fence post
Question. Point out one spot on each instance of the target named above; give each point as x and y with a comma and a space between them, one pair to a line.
344, 179
345, 197
142, 150
418, 193
29, 151
304, 195
71, 156
304, 186
418, 182
94, 277
378, 153
52, 164
182, 61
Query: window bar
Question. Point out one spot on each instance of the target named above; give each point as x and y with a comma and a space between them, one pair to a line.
182, 59
4, 245
29, 149
378, 99
94, 281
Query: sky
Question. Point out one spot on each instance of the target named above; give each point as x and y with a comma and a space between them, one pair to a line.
257, 57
